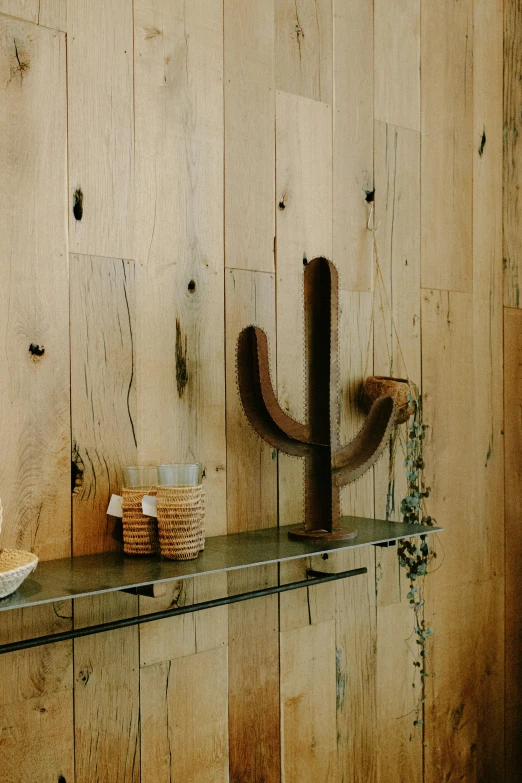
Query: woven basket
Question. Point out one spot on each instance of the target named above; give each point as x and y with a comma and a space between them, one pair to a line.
15, 566
140, 532
397, 388
181, 515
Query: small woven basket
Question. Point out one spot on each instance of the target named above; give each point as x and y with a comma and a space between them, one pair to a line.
140, 532
382, 386
181, 515
15, 566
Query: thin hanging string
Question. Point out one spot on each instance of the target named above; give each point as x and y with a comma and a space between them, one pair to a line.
379, 280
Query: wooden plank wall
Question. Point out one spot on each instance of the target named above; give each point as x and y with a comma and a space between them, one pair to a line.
167, 169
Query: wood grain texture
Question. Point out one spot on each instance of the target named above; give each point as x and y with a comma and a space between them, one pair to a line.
304, 232
184, 719
249, 30
48, 13
103, 394
396, 327
253, 672
249, 35
488, 475
34, 363
512, 160
447, 381
251, 463
355, 668
513, 491
49, 756
397, 62
397, 215
176, 637
107, 692
447, 143
353, 143
251, 504
308, 721
465, 712
31, 674
397, 319
309, 605
179, 163
465, 697
100, 127
304, 48
315, 685
399, 755
355, 361
36, 698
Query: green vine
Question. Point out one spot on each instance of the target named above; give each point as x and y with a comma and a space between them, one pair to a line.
415, 555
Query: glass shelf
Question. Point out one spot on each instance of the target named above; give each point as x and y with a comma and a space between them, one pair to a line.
74, 577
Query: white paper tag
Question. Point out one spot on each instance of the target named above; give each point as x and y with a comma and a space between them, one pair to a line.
149, 506
115, 508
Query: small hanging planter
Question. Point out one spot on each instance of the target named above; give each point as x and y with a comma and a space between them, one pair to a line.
399, 389
15, 566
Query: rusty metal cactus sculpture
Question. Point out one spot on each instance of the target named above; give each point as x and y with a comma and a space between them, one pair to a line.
327, 465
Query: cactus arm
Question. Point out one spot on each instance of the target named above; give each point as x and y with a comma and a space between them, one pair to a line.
259, 400
350, 462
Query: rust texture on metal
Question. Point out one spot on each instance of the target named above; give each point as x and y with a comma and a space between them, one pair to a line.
328, 466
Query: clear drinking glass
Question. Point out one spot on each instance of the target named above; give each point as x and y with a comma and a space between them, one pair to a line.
180, 475
140, 477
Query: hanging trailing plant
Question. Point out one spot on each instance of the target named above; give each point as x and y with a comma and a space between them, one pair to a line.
415, 556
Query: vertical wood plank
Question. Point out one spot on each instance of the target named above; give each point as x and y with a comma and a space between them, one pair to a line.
100, 127
249, 134
399, 755
103, 397
397, 294
250, 298
512, 205
34, 363
189, 743
253, 669
356, 668
251, 463
447, 381
252, 504
397, 215
488, 489
48, 13
106, 703
179, 241
36, 693
397, 63
353, 142
106, 667
36, 698
464, 696
355, 361
513, 492
447, 136
304, 48
308, 704
465, 699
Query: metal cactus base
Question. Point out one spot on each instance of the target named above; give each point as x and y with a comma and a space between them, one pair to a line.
300, 533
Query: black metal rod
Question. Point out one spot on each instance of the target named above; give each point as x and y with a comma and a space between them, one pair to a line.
75, 633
